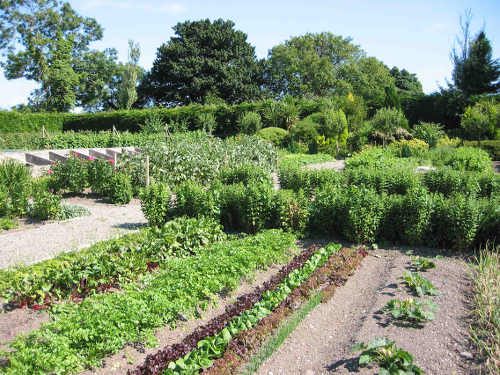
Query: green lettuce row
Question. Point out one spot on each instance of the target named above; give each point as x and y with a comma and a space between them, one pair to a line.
81, 335
214, 347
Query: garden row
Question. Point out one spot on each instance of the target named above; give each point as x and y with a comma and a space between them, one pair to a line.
356, 213
227, 340
80, 335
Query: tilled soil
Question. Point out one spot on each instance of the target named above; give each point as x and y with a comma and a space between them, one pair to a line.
322, 342
35, 243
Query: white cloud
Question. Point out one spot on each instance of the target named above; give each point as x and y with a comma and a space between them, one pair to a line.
170, 8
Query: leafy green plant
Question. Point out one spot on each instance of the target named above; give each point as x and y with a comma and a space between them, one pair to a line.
391, 359
70, 176
16, 181
243, 173
422, 264
119, 189
250, 123
70, 211
156, 203
7, 223
46, 206
292, 210
275, 135
418, 284
410, 310
428, 132
99, 175
193, 200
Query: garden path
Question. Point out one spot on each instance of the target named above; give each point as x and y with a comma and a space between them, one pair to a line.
36, 242
322, 342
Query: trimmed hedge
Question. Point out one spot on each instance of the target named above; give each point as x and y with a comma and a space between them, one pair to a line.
227, 118
15, 122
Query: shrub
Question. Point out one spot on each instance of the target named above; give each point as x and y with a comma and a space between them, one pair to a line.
119, 188
296, 178
16, 179
156, 203
387, 121
306, 130
489, 225
462, 158
416, 212
363, 210
291, 210
454, 221
492, 147
99, 173
250, 123
206, 122
193, 200
411, 148
257, 207
70, 176
244, 174
232, 198
395, 180
480, 121
153, 124
448, 181
448, 142
334, 126
391, 225
46, 206
428, 132
276, 136
69, 211
489, 185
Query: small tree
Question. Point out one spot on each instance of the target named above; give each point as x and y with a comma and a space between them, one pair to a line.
479, 122
128, 90
335, 124
428, 132
387, 121
250, 123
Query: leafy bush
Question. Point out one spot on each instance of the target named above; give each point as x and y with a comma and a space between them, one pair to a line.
387, 121
454, 221
461, 158
428, 132
380, 158
296, 178
409, 148
292, 210
488, 231
119, 188
243, 173
156, 203
46, 206
480, 121
448, 181
416, 213
193, 200
4, 201
70, 176
276, 136
306, 130
492, 147
16, 180
100, 173
448, 142
232, 198
250, 123
153, 124
69, 211
7, 223
394, 180
257, 207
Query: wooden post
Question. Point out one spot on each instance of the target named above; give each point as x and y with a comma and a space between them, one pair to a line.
115, 159
44, 132
147, 170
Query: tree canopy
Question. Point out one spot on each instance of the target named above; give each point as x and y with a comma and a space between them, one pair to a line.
204, 59
406, 82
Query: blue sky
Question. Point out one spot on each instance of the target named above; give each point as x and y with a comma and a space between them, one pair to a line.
415, 35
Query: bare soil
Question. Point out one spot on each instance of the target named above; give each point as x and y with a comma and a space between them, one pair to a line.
322, 342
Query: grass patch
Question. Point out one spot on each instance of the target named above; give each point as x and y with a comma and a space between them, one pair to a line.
485, 332
282, 333
299, 160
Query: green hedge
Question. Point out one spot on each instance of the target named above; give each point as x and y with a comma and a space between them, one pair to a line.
490, 146
15, 122
226, 116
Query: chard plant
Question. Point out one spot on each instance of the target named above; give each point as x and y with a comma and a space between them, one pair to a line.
422, 264
419, 285
411, 310
391, 359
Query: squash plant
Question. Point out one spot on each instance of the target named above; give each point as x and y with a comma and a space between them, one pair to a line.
411, 310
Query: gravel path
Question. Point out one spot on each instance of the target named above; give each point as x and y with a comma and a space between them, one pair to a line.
36, 243
338, 165
321, 343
